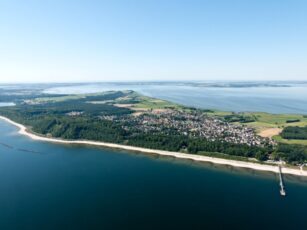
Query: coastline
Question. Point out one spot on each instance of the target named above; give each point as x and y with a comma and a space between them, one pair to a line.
200, 158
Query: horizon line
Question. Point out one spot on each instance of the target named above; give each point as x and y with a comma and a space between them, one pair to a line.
145, 81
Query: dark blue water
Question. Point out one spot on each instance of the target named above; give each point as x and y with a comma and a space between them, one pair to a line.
48, 186
289, 99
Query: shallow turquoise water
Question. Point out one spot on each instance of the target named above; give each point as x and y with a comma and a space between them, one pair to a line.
48, 186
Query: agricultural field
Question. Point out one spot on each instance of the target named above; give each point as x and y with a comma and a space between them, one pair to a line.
271, 125
267, 120
153, 103
279, 139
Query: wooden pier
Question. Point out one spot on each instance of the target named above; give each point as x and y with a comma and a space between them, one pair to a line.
282, 188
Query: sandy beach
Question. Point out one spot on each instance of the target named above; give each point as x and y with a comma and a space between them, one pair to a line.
234, 163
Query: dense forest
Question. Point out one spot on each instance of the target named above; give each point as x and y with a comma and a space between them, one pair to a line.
295, 154
237, 117
295, 132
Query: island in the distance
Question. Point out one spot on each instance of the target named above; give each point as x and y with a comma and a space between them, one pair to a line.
126, 118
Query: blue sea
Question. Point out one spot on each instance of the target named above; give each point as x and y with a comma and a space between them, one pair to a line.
70, 187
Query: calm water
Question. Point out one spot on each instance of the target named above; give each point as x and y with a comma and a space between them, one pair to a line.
2, 104
66, 187
265, 99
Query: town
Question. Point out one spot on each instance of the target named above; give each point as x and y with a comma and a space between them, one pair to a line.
193, 123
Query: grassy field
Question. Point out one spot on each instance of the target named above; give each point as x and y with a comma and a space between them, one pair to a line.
267, 120
58, 99
286, 141
280, 119
65, 98
153, 103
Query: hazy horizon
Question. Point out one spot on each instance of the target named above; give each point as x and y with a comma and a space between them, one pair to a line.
156, 81
153, 81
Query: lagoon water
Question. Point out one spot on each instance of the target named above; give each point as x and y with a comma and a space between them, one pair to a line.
279, 98
49, 186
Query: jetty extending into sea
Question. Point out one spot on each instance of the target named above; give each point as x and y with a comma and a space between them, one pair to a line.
282, 187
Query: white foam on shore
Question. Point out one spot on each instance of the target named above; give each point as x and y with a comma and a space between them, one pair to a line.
234, 163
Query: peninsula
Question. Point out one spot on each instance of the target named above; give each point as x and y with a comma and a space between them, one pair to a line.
130, 121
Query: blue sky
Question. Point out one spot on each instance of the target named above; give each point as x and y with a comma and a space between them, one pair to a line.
50, 41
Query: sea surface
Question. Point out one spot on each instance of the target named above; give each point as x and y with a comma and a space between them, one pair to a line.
53, 186
2, 104
276, 97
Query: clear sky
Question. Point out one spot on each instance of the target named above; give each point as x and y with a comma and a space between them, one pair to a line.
58, 40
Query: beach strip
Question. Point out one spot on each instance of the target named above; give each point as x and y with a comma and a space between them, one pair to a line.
200, 158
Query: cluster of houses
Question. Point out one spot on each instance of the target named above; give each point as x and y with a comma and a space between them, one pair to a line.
192, 123
74, 113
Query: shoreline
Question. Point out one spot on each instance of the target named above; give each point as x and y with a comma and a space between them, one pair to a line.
200, 158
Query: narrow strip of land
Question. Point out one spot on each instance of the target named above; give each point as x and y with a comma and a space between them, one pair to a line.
234, 163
